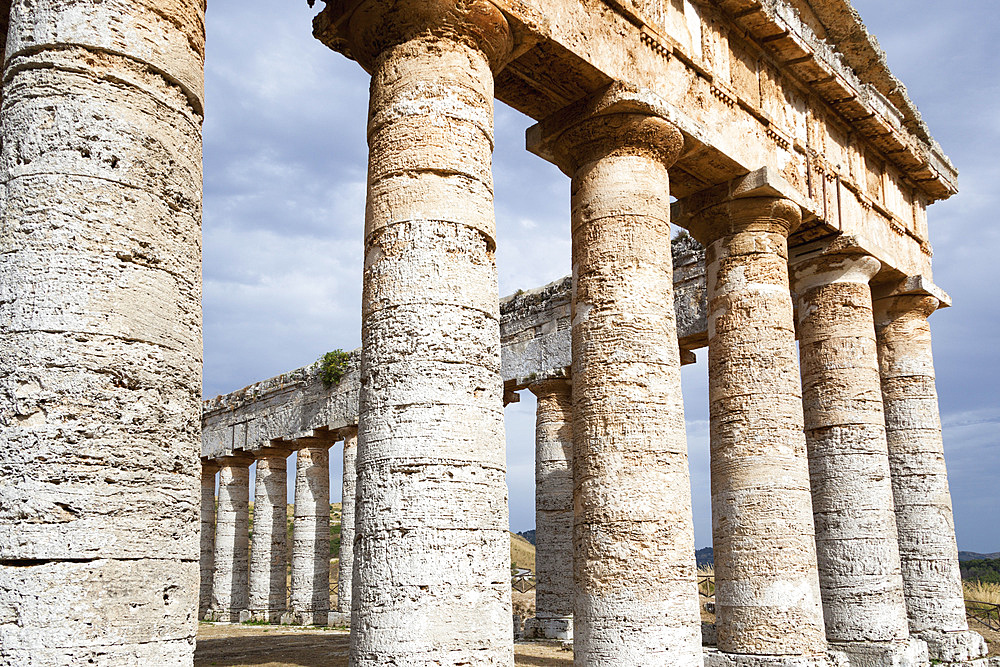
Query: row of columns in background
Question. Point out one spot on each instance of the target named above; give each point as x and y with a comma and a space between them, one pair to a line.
432, 585
873, 443
241, 581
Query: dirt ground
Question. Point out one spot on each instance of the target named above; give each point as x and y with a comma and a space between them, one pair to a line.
285, 646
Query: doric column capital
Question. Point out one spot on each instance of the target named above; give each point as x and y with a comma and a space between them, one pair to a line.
550, 386
839, 261
364, 30
615, 121
209, 465
889, 309
767, 214
272, 452
237, 459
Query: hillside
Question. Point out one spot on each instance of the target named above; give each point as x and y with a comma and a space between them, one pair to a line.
522, 552
972, 555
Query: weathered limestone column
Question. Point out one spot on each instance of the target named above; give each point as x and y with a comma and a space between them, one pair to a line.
553, 512
208, 470
856, 542
230, 579
269, 550
636, 592
767, 596
349, 490
432, 557
100, 331
310, 597
931, 577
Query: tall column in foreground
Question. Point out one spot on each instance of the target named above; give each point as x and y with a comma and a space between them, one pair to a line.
230, 579
208, 470
932, 581
856, 542
636, 593
269, 551
310, 597
767, 595
432, 577
347, 517
553, 512
100, 331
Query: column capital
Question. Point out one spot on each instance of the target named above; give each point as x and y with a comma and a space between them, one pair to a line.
272, 451
550, 386
209, 465
840, 260
911, 286
364, 29
616, 120
238, 458
759, 201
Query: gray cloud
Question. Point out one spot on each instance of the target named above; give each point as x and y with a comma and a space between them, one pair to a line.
285, 162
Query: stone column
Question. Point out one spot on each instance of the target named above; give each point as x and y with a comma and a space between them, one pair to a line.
856, 541
432, 552
100, 331
349, 488
931, 578
208, 470
310, 598
269, 550
636, 593
553, 512
767, 596
232, 540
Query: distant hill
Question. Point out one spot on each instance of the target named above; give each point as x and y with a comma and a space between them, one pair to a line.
972, 555
528, 535
704, 556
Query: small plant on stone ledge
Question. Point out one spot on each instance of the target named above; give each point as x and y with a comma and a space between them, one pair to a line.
332, 367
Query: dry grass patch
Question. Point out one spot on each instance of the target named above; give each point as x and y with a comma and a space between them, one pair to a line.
981, 591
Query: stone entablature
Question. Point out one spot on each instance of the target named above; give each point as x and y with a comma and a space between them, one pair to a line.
535, 339
750, 83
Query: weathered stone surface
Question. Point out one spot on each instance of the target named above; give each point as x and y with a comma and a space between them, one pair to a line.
636, 599
230, 580
931, 577
432, 550
347, 518
767, 595
207, 559
267, 599
100, 318
310, 595
856, 540
553, 512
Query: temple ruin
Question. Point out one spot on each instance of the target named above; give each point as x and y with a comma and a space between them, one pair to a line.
771, 130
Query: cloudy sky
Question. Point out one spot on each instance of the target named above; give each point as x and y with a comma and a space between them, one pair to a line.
285, 162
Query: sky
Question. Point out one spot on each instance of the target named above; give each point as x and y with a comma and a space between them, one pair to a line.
285, 165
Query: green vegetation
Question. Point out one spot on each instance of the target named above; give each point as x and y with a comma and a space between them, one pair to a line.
332, 367
986, 570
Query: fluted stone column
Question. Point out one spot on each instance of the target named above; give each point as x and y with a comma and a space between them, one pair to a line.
432, 557
636, 594
310, 597
553, 512
856, 541
767, 588
100, 331
928, 551
347, 497
208, 470
230, 579
269, 550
